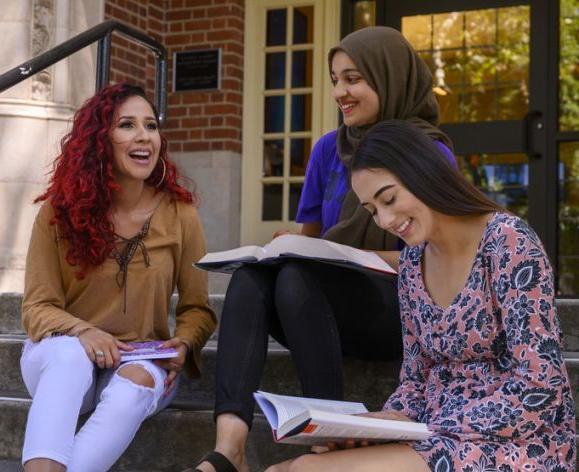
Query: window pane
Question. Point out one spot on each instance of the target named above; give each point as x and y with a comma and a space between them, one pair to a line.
273, 157
303, 25
448, 30
513, 103
418, 31
479, 61
569, 66
302, 68
300, 153
274, 114
569, 218
502, 177
364, 14
276, 27
295, 193
481, 66
272, 202
275, 70
480, 27
301, 119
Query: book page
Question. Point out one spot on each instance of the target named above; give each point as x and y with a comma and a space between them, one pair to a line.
288, 407
325, 427
240, 253
321, 249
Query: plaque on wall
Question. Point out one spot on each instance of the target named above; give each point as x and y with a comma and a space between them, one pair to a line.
197, 70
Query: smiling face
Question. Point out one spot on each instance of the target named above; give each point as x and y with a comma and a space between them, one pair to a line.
135, 139
393, 207
358, 102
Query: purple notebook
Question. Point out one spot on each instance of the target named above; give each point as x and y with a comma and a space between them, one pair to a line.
148, 350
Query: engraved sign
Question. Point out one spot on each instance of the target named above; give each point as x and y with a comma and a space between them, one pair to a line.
197, 70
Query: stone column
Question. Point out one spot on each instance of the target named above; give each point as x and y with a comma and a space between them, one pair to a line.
35, 114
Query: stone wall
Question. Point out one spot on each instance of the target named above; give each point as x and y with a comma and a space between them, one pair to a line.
35, 114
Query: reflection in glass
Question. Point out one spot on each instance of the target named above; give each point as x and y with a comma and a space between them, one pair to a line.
274, 114
569, 218
303, 25
276, 27
480, 27
502, 177
480, 66
275, 70
302, 68
479, 61
418, 31
272, 157
364, 14
272, 202
301, 117
511, 100
294, 200
569, 66
299, 155
478, 104
448, 30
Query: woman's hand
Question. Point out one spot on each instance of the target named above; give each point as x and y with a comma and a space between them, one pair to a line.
102, 348
175, 364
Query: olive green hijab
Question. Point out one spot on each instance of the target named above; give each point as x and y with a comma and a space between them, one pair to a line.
403, 83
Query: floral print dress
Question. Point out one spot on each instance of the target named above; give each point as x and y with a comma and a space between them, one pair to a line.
486, 373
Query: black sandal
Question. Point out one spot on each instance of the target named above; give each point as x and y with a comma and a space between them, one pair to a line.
219, 462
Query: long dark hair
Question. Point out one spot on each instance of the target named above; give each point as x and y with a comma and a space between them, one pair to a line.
413, 157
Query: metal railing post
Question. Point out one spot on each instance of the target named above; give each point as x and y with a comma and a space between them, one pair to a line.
103, 65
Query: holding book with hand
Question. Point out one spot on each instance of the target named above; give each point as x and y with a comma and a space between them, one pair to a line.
310, 421
294, 246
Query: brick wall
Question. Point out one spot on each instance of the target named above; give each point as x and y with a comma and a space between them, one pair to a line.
196, 121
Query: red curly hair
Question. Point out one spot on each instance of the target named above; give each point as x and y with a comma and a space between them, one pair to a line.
82, 185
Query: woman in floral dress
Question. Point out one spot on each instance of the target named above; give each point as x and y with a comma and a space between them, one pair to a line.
482, 345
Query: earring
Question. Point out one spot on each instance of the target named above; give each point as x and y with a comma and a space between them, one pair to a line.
164, 172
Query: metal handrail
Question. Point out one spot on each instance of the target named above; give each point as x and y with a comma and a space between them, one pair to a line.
101, 33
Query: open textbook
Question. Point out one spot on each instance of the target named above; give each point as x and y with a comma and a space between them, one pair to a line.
309, 421
294, 246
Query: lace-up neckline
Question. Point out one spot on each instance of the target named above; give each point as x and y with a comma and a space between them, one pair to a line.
124, 257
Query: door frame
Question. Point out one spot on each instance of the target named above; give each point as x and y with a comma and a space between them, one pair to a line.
327, 23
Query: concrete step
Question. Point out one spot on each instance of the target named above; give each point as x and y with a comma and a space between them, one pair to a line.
370, 382
10, 316
168, 442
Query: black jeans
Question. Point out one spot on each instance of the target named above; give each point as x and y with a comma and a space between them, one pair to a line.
320, 312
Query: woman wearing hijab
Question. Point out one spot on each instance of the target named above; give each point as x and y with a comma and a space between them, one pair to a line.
321, 312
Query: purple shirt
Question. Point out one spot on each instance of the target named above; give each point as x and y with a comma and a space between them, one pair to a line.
326, 183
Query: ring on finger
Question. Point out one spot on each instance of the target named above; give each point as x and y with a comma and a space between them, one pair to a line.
99, 353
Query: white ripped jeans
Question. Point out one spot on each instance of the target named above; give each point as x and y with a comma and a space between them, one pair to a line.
64, 383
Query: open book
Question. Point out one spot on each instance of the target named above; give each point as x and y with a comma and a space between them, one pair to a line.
296, 247
148, 350
309, 421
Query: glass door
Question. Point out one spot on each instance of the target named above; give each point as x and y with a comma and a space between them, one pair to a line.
491, 77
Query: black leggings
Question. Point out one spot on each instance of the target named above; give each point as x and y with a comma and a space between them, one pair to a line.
318, 311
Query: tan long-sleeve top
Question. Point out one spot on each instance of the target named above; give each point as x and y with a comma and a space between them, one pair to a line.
56, 302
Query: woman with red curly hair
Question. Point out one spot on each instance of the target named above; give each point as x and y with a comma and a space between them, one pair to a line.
114, 237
